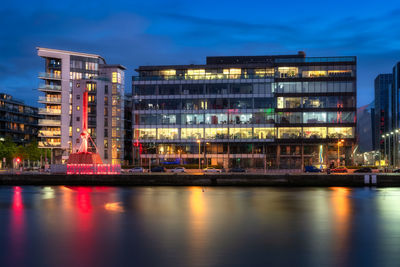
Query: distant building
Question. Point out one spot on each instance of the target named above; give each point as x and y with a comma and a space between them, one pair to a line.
18, 121
128, 153
365, 117
66, 75
282, 111
382, 108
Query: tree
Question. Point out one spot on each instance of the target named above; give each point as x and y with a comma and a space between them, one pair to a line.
7, 150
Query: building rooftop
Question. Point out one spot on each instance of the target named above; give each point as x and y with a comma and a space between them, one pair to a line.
67, 52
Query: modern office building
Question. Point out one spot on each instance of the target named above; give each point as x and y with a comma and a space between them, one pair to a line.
382, 108
282, 111
18, 121
365, 119
66, 75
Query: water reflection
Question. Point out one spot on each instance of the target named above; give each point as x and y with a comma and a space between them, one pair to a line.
17, 228
186, 226
341, 223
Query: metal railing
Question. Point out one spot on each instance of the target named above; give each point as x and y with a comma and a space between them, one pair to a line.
49, 87
44, 133
45, 122
56, 100
49, 111
49, 75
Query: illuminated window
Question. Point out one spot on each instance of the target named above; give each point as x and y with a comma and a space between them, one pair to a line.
314, 132
216, 133
340, 132
289, 133
192, 133
264, 133
264, 72
168, 72
286, 72
167, 133
315, 73
240, 133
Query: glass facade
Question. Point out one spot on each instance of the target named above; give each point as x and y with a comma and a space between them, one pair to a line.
246, 116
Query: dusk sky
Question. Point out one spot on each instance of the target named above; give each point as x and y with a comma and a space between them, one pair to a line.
159, 32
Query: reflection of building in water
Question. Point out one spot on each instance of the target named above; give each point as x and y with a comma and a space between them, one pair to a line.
252, 111
341, 208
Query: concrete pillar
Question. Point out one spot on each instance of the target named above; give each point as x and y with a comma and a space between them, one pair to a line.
302, 157
278, 156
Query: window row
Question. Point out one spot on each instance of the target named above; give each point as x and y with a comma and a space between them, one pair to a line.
238, 73
316, 102
204, 104
313, 87
243, 133
244, 88
246, 118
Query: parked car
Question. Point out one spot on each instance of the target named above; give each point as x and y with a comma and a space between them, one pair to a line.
136, 169
212, 169
178, 169
158, 169
339, 170
312, 169
397, 170
365, 169
237, 169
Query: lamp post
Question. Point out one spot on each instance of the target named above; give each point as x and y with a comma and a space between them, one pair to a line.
198, 141
396, 147
384, 148
392, 155
338, 151
389, 157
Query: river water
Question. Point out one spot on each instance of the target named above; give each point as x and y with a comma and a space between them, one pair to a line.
195, 226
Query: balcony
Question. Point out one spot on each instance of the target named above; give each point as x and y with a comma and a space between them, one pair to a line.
44, 122
47, 111
44, 144
50, 88
50, 100
44, 133
48, 75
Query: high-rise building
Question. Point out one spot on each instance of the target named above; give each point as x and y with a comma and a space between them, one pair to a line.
383, 108
66, 75
251, 111
365, 119
18, 121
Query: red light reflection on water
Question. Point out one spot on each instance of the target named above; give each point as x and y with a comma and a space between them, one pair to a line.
17, 227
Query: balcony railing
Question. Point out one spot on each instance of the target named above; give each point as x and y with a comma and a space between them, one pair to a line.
202, 77
47, 111
44, 133
44, 122
54, 100
48, 87
48, 75
49, 145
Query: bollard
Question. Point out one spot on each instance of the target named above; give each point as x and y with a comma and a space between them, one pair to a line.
366, 179
374, 180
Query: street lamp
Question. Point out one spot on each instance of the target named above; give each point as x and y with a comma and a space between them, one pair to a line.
198, 141
338, 151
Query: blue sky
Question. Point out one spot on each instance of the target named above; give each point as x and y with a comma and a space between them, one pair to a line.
156, 32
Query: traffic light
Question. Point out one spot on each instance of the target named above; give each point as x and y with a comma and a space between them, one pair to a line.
18, 160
